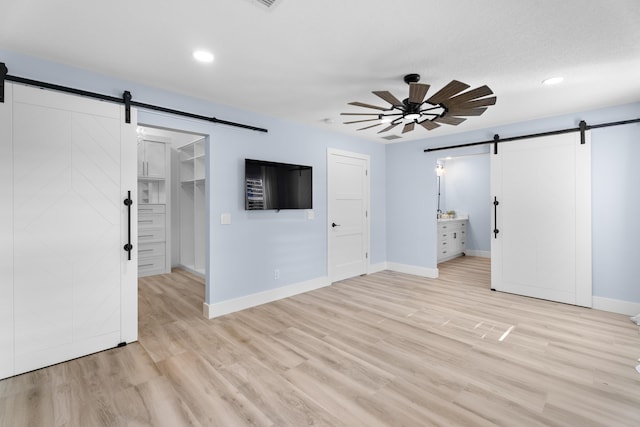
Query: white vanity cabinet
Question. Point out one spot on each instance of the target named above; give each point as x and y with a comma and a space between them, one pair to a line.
452, 238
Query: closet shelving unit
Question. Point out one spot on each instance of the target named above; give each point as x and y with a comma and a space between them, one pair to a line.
191, 196
154, 255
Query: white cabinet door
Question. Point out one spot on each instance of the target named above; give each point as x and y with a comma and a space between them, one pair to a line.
543, 247
348, 220
152, 159
73, 285
155, 153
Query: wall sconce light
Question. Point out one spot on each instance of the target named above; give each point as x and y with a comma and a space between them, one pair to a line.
439, 172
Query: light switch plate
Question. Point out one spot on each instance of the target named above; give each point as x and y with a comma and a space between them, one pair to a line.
310, 214
225, 219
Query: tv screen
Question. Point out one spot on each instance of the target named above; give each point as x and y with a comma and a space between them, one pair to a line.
271, 185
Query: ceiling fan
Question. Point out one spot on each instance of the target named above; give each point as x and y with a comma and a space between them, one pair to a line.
446, 106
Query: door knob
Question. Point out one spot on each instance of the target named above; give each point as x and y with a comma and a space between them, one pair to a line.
334, 225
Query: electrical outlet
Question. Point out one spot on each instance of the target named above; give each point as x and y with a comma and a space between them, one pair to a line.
276, 274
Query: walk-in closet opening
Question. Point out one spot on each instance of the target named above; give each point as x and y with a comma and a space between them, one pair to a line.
463, 208
171, 201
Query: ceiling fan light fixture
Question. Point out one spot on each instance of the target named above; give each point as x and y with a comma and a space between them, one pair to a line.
412, 116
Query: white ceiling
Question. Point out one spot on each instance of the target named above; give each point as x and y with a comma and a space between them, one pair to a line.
305, 60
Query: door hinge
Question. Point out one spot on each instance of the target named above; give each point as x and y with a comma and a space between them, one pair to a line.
366, 255
366, 172
366, 214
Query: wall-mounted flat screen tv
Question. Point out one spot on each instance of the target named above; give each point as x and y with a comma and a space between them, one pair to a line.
271, 185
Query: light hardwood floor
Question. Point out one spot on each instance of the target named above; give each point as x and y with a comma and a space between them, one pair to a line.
387, 349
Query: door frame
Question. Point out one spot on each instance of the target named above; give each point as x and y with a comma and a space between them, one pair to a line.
367, 229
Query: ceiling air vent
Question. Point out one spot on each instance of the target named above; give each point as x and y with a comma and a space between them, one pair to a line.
391, 137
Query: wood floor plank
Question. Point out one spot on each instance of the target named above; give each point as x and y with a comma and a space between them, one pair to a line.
387, 349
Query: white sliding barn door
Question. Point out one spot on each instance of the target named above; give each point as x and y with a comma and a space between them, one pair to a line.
6, 236
74, 291
543, 247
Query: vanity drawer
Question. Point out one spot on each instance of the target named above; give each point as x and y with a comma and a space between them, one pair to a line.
443, 228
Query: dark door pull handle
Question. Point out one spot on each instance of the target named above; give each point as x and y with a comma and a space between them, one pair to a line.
334, 225
495, 217
128, 202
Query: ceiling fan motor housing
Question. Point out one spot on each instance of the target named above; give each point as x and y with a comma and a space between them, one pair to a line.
412, 78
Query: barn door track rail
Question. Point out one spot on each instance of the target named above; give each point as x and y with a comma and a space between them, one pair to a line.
582, 128
127, 100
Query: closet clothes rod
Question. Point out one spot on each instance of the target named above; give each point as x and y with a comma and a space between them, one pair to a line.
126, 100
583, 126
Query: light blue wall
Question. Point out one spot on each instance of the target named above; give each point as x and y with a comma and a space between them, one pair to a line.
465, 188
244, 254
403, 197
615, 184
615, 198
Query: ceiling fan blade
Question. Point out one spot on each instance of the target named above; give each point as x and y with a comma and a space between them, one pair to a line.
448, 120
369, 127
387, 96
362, 104
429, 124
388, 128
478, 92
359, 114
478, 103
408, 127
454, 87
417, 92
466, 111
360, 121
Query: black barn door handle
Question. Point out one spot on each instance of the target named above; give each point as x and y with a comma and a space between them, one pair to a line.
495, 217
128, 202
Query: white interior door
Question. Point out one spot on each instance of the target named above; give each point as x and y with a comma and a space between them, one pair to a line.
348, 207
74, 290
543, 247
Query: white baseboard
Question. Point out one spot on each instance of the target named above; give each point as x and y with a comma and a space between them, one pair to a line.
616, 306
431, 273
211, 311
377, 268
483, 254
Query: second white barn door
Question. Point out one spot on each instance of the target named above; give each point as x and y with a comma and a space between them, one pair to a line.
542, 247
348, 214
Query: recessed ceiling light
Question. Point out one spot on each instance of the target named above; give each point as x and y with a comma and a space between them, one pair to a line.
553, 80
203, 56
